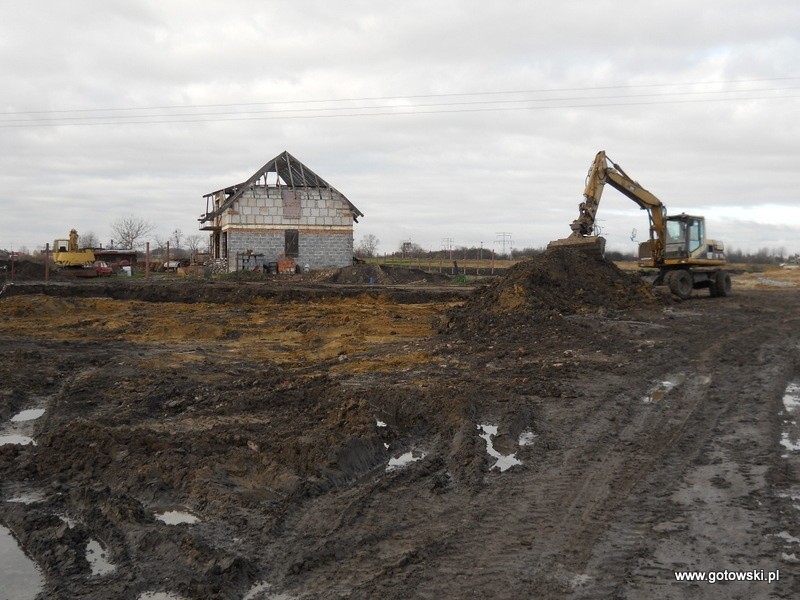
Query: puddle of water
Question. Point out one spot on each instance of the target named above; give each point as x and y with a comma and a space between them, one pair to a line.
177, 517
795, 498
787, 443
526, 438
15, 438
789, 557
27, 415
662, 388
260, 591
791, 405
791, 397
19, 576
98, 558
503, 461
70, 522
404, 460
774, 283
255, 592
27, 498
787, 537
580, 580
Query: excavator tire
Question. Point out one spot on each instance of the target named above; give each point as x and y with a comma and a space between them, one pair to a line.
680, 283
721, 284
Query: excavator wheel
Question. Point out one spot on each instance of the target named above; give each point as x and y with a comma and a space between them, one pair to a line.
720, 284
680, 283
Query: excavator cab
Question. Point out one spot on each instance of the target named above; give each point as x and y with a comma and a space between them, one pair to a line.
685, 243
685, 235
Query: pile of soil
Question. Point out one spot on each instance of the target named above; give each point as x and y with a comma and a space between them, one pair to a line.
561, 281
384, 275
24, 270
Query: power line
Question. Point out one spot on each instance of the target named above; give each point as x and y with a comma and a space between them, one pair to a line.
169, 119
408, 97
407, 106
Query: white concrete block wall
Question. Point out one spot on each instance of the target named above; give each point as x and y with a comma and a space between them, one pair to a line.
332, 209
256, 223
319, 250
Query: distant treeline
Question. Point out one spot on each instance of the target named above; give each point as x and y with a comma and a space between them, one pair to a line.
411, 250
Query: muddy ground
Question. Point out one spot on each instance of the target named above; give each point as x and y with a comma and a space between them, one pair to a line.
339, 442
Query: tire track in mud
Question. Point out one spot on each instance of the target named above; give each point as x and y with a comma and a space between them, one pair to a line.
558, 512
619, 556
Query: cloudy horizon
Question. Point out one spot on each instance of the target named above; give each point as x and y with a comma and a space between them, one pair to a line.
440, 121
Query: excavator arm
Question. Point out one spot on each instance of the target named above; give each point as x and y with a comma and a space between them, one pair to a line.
600, 174
595, 181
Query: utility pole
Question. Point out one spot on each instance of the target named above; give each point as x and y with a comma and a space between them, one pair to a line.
504, 238
447, 245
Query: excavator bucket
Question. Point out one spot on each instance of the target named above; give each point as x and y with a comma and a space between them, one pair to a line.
593, 245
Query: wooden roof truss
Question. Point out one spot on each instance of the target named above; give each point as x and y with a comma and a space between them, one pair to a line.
289, 173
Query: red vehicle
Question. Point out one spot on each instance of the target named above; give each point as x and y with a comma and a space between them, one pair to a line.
98, 268
102, 269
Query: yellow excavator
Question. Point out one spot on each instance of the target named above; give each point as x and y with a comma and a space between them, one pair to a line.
686, 260
75, 261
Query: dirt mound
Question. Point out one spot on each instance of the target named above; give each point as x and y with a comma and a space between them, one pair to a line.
384, 275
24, 270
561, 281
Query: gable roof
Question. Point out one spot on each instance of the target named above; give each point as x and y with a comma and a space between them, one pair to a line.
291, 171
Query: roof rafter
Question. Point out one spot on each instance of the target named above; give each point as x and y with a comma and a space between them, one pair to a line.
287, 168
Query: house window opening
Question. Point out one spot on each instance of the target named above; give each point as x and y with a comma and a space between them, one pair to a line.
291, 242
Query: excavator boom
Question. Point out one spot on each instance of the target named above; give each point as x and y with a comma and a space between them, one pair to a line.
601, 172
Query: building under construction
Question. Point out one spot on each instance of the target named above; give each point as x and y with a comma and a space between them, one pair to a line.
284, 214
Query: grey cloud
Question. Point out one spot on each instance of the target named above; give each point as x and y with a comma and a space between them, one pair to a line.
465, 174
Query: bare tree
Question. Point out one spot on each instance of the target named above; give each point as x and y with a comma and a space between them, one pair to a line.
89, 240
367, 246
159, 245
409, 249
130, 231
193, 243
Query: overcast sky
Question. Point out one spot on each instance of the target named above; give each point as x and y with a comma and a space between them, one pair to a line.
440, 120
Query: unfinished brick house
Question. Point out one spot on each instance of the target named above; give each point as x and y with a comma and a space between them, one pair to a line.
284, 215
